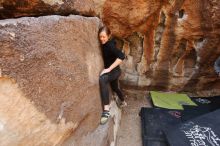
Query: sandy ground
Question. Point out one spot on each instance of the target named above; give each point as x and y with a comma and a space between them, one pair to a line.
129, 133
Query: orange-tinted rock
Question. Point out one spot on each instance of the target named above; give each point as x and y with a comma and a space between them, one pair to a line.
189, 46
55, 67
126, 16
179, 42
18, 8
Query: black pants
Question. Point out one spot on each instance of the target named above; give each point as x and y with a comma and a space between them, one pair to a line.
112, 78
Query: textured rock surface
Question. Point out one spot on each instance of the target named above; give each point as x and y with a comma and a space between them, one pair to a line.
21, 123
170, 45
52, 92
18, 8
127, 16
103, 135
55, 62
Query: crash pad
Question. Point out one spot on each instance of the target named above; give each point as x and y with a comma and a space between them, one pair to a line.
154, 121
201, 131
213, 102
170, 100
191, 112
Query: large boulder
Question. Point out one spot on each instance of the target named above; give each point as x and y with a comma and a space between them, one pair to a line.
49, 79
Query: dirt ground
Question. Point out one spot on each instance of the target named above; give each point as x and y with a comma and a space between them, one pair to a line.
129, 133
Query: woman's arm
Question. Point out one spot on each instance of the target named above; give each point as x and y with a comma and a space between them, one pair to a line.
116, 63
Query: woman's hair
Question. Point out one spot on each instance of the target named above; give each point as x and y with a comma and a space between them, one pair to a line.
105, 29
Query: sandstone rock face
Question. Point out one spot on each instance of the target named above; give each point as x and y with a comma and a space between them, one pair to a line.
18, 8
126, 16
103, 135
170, 44
49, 68
23, 124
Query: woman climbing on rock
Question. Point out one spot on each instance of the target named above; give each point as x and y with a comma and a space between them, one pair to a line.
112, 57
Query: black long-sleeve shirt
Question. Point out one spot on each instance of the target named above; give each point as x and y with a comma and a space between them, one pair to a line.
111, 53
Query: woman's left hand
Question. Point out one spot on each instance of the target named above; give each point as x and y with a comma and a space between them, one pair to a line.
105, 71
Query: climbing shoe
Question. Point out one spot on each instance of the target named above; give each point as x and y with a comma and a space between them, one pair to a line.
104, 118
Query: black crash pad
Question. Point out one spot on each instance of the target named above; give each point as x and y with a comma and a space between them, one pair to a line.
154, 121
213, 103
201, 131
191, 112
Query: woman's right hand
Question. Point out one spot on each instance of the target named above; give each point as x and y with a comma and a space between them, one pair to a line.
105, 71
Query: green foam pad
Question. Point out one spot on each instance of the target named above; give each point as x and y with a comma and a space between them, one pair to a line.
170, 100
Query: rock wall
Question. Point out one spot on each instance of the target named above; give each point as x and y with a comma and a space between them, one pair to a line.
50, 65
103, 135
18, 8
49, 68
170, 44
